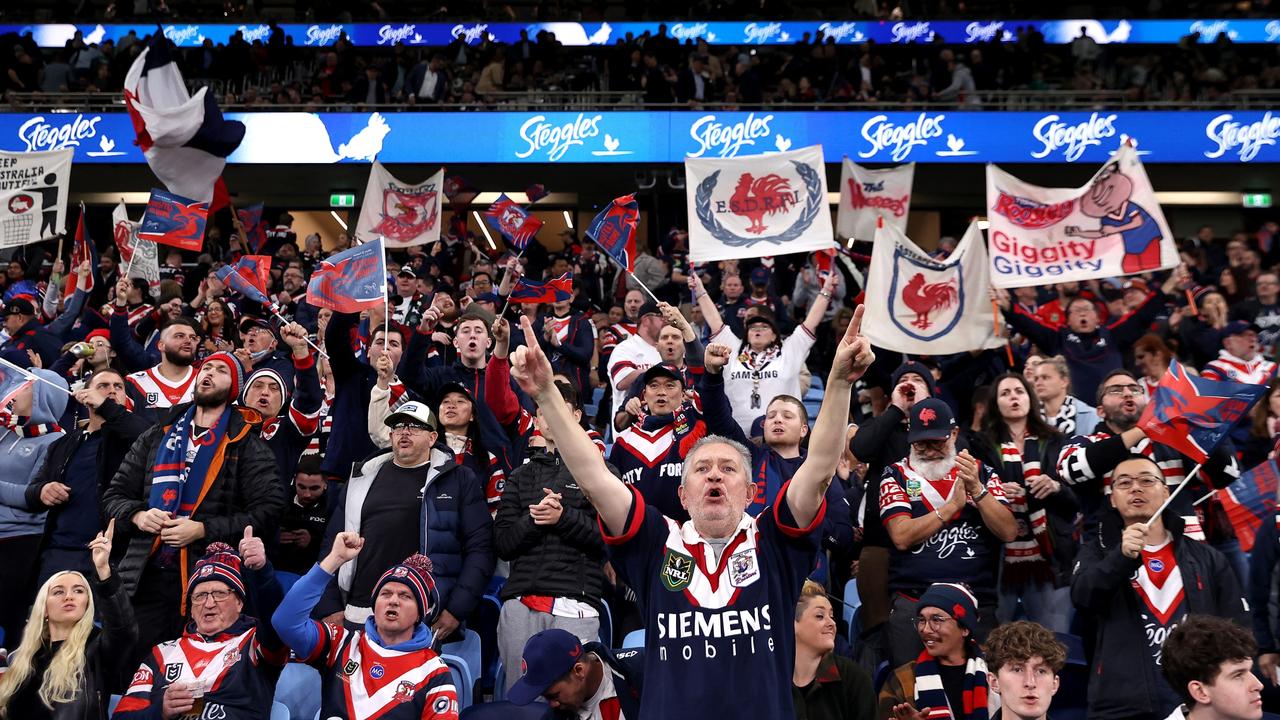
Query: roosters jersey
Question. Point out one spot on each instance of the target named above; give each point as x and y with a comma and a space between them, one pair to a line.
152, 390
1158, 584
650, 456
365, 681
721, 635
1257, 371
963, 550
238, 675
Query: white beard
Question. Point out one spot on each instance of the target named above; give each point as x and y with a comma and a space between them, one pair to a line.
937, 469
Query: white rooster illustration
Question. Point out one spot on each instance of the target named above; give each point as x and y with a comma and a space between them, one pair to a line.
367, 143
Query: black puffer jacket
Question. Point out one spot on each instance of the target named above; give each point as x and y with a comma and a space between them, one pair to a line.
246, 492
561, 560
105, 647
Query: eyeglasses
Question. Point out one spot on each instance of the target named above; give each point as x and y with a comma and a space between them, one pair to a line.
1116, 390
217, 595
1126, 482
935, 622
411, 428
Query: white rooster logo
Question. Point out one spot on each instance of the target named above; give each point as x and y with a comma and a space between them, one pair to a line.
367, 143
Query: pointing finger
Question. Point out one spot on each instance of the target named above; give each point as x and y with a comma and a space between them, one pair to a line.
855, 325
111, 528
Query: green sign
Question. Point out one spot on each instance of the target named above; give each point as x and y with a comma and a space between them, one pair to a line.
342, 200
1257, 200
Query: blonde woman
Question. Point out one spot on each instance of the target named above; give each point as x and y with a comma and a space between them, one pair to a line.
60, 670
824, 685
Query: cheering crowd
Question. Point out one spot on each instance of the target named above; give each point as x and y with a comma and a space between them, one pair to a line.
199, 489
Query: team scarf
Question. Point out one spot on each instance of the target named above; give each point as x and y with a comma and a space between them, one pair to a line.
756, 361
22, 426
931, 698
1026, 559
1065, 420
178, 488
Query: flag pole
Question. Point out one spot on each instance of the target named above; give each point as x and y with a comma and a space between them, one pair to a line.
33, 376
1206, 497
643, 287
1185, 482
507, 304
276, 311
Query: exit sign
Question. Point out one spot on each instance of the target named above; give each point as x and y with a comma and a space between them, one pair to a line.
346, 200
1257, 200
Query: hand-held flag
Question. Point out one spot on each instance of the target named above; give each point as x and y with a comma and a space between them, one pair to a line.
514, 222
139, 257
82, 250
403, 214
351, 281
255, 231
531, 291
174, 220
1192, 414
1251, 501
250, 276
614, 230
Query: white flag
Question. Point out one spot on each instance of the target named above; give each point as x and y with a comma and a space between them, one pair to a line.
758, 206
1112, 226
139, 257
930, 307
867, 195
400, 213
33, 196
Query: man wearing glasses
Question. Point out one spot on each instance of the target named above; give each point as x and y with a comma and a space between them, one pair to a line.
1088, 461
948, 519
1138, 580
416, 498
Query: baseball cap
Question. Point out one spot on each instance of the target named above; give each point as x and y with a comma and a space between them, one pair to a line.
1135, 284
766, 318
663, 370
760, 276
454, 387
407, 271
488, 297
19, 306
1235, 327
649, 308
931, 419
413, 412
250, 322
548, 656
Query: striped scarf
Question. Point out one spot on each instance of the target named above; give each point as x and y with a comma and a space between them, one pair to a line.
931, 698
22, 426
178, 487
1026, 559
1065, 420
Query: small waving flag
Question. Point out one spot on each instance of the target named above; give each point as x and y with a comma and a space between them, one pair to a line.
532, 291
614, 230
351, 281
1192, 414
822, 260
514, 222
82, 249
254, 229
460, 192
250, 276
1250, 500
174, 220
536, 192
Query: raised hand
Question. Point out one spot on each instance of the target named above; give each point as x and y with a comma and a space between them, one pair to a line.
253, 553
853, 354
295, 336
100, 550
346, 546
716, 358
529, 365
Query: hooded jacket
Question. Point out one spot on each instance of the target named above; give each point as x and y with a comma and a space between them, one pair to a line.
291, 430
1124, 682
245, 492
22, 457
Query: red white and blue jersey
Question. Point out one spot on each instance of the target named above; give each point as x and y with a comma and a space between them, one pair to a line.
149, 389
963, 550
364, 681
650, 455
237, 673
1258, 371
721, 636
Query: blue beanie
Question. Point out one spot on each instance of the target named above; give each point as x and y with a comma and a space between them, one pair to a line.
956, 600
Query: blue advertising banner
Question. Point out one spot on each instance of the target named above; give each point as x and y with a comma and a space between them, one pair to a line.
670, 137
576, 34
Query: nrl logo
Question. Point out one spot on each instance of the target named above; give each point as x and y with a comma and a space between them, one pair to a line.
677, 571
756, 199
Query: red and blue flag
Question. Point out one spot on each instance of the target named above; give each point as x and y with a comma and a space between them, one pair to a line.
255, 231
351, 281
614, 230
536, 192
250, 276
82, 250
822, 261
1250, 500
514, 222
1192, 414
174, 220
532, 291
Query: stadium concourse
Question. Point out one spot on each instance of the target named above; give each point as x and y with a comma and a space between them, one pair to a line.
634, 362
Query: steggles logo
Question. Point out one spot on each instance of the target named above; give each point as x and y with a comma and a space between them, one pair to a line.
557, 140
680, 31
392, 34
255, 34
320, 35
729, 139
472, 34
37, 134
841, 32
759, 34
882, 134
183, 35
983, 32
1055, 135
911, 32
1250, 138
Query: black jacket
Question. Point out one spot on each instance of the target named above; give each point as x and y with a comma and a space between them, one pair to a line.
561, 560
1124, 682
106, 645
246, 492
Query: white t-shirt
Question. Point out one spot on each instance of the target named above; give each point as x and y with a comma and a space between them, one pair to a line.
631, 354
590, 710
779, 376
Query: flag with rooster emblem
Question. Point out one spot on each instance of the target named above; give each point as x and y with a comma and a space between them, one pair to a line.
757, 206
933, 307
401, 213
33, 196
867, 195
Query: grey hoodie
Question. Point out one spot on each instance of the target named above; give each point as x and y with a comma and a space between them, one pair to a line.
21, 459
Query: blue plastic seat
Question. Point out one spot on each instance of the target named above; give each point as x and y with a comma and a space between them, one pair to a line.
112, 703
504, 711
634, 639
851, 604
500, 682
463, 680
299, 690
279, 712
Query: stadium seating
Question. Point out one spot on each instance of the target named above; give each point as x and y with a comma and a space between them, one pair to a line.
299, 690
634, 639
463, 680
